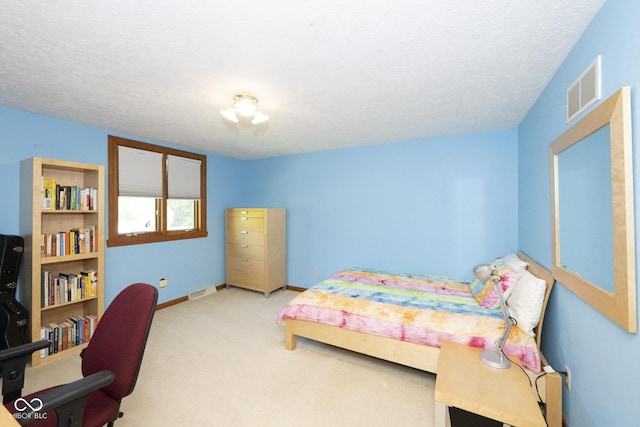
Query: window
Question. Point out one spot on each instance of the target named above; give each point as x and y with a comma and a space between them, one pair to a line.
155, 193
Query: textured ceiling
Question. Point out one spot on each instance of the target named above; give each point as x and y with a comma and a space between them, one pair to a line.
330, 73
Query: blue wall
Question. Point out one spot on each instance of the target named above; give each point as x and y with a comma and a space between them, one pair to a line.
187, 265
603, 358
428, 206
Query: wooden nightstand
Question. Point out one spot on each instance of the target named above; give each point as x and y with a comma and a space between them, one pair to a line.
465, 382
6, 419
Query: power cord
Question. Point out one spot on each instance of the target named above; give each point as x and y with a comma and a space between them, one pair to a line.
547, 370
526, 375
537, 389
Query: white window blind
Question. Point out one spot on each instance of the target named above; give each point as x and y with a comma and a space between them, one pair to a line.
184, 178
139, 172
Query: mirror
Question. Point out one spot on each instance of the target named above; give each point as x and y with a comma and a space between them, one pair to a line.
592, 210
585, 214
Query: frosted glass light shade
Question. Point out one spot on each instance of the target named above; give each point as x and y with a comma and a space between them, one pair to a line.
245, 105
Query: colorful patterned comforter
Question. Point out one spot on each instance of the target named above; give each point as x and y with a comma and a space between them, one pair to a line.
422, 309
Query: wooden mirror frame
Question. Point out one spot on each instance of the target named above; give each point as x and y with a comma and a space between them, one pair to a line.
619, 305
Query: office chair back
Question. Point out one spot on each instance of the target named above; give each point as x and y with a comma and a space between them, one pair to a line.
110, 366
120, 338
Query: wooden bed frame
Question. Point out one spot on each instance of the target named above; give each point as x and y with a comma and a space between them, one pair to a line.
549, 386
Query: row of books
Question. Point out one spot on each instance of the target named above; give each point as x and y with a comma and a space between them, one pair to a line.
74, 331
64, 287
74, 241
68, 197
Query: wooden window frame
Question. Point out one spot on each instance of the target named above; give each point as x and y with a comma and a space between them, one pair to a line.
200, 229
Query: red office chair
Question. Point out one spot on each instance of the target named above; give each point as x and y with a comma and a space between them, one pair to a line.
110, 366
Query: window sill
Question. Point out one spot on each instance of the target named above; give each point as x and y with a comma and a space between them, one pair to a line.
154, 238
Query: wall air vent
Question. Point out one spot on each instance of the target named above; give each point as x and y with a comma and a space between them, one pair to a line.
584, 91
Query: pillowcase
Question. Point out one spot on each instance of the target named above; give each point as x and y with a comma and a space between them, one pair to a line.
486, 293
511, 260
525, 301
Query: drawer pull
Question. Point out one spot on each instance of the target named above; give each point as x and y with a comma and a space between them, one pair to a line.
244, 273
243, 218
244, 232
245, 259
244, 245
243, 212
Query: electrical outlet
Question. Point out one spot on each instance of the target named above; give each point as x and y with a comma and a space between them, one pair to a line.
316, 272
163, 282
567, 377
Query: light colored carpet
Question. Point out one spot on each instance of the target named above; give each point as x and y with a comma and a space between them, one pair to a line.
220, 361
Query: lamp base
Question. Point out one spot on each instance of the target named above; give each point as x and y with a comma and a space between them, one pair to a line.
495, 359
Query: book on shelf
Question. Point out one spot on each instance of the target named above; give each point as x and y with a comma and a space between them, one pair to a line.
54, 337
72, 242
48, 194
45, 288
91, 283
56, 196
93, 322
67, 287
75, 198
80, 246
44, 335
74, 331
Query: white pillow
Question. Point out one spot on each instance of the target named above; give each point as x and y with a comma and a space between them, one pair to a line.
525, 301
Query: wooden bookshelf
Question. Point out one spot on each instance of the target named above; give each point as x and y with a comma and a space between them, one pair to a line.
37, 221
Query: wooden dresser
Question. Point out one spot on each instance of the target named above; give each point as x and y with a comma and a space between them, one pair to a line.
256, 248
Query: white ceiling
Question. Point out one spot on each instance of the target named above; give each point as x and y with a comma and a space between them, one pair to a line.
330, 73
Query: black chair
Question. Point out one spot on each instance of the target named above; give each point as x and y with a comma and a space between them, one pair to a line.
110, 366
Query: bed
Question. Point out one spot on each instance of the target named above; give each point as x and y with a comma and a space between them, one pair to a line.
403, 318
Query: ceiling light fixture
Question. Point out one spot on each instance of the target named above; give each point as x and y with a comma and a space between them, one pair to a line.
245, 105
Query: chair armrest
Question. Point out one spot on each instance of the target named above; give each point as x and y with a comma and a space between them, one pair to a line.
22, 350
13, 361
67, 400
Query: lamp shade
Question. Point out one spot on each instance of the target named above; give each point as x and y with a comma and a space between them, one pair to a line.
483, 272
244, 105
259, 117
229, 114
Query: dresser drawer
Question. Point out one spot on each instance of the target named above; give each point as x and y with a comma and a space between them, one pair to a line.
245, 212
245, 236
245, 224
245, 251
245, 279
245, 264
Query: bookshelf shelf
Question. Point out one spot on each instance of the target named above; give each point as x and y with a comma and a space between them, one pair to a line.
73, 271
67, 212
67, 258
60, 355
61, 304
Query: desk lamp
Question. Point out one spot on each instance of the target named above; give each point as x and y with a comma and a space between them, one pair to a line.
495, 357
